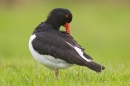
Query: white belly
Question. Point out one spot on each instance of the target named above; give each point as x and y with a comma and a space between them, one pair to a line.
47, 60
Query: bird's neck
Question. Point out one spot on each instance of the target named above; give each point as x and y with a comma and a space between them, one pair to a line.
56, 24
46, 26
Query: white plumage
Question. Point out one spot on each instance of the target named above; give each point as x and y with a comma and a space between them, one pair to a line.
47, 60
79, 51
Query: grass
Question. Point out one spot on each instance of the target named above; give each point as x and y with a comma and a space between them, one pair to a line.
101, 28
28, 72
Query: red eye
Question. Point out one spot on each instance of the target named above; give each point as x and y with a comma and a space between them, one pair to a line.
67, 16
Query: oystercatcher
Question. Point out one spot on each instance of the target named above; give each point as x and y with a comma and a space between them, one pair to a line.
57, 49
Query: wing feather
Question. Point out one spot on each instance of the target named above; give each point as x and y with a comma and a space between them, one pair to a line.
59, 48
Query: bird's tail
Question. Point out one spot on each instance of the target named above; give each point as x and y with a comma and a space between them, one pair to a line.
95, 66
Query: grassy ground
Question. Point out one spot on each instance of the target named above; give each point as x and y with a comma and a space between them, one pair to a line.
101, 28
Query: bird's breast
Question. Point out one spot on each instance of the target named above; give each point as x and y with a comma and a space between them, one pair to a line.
47, 60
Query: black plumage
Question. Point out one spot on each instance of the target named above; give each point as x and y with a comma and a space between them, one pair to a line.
51, 41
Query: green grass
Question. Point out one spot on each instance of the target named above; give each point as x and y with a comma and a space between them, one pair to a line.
29, 73
101, 28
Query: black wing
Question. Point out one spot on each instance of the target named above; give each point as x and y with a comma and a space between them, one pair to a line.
54, 44
67, 37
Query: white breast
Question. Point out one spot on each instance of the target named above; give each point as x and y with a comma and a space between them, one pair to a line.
47, 60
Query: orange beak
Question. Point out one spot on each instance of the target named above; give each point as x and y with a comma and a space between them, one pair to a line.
67, 27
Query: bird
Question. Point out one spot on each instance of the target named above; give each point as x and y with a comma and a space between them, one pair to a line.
57, 49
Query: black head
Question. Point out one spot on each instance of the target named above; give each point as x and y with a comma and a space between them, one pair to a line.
59, 17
